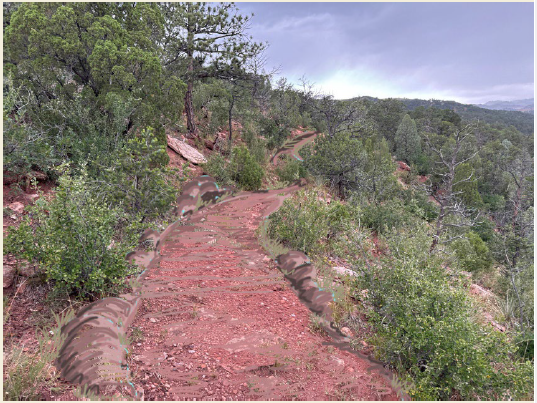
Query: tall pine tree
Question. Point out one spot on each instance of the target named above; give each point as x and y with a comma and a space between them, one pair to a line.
203, 41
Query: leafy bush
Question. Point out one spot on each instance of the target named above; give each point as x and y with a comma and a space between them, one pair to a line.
418, 204
24, 148
473, 254
256, 145
138, 180
245, 170
424, 327
217, 167
71, 237
275, 134
485, 229
385, 217
423, 164
494, 202
291, 171
308, 224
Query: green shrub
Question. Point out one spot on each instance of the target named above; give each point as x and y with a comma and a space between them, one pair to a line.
418, 204
217, 167
424, 328
71, 237
138, 180
291, 171
257, 146
308, 224
473, 254
384, 217
245, 170
485, 229
494, 202
274, 134
423, 164
24, 149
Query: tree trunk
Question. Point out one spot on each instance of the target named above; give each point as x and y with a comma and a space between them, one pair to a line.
230, 115
189, 109
436, 238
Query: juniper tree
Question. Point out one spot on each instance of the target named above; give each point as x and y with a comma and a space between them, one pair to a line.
407, 140
101, 57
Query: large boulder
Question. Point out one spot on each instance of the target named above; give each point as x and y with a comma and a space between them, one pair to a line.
403, 166
189, 153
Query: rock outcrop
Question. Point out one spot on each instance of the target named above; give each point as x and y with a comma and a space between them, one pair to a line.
188, 152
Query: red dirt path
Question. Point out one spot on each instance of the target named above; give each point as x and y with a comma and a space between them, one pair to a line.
219, 322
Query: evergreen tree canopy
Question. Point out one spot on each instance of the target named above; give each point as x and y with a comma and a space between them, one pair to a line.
407, 140
104, 51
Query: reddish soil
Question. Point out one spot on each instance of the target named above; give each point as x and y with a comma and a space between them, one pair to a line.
219, 322
16, 194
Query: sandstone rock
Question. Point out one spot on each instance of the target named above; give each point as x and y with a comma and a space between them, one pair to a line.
403, 166
346, 331
9, 275
17, 207
188, 152
343, 271
38, 175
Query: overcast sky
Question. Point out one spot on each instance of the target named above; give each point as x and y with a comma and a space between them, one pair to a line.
466, 52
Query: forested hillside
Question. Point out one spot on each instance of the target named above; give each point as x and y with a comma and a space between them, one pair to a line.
426, 205
522, 121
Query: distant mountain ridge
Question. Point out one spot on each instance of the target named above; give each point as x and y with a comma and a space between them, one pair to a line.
522, 121
521, 105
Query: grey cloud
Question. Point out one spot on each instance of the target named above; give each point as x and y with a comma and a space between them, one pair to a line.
455, 48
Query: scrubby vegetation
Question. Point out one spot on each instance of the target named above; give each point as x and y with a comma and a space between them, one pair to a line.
92, 89
414, 245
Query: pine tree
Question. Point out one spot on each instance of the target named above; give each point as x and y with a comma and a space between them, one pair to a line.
203, 41
407, 140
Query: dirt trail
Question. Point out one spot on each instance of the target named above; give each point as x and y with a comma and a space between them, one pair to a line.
219, 321
291, 147
213, 318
